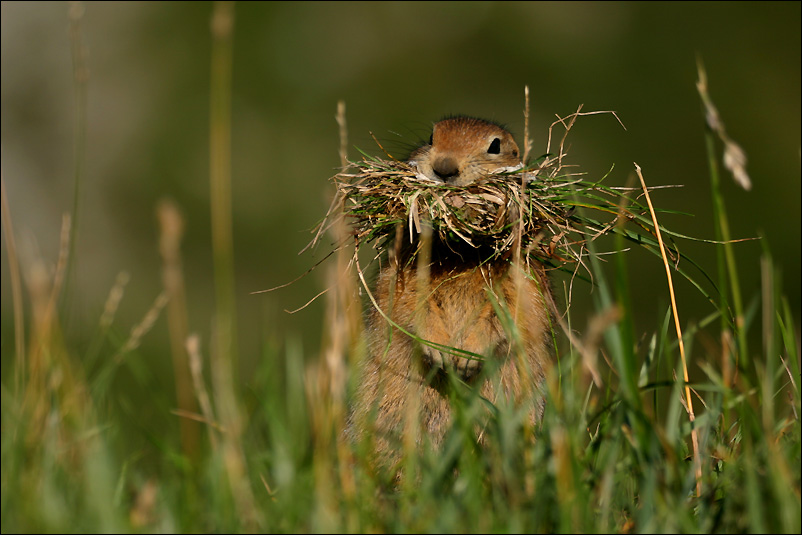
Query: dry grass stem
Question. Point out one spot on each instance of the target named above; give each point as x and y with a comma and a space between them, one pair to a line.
307, 303
341, 122
172, 230
325, 382
16, 291
141, 329
195, 417
688, 400
113, 300
62, 263
224, 348
44, 287
202, 395
527, 139
346, 322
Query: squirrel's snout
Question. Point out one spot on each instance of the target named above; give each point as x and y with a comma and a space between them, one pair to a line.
445, 168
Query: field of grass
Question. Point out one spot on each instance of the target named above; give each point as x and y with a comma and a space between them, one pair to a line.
628, 442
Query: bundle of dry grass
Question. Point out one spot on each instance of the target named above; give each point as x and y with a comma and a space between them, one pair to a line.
491, 214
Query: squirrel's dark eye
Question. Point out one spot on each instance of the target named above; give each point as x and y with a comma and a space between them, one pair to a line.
495, 147
431, 139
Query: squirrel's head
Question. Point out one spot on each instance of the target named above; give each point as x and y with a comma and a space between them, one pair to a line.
463, 150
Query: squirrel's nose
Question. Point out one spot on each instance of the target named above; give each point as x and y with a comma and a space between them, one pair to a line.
445, 168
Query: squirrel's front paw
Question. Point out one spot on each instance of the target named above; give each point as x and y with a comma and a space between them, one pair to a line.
432, 357
465, 366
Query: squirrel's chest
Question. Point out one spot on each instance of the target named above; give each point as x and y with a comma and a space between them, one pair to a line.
448, 298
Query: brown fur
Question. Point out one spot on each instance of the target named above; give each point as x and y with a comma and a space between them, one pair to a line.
451, 307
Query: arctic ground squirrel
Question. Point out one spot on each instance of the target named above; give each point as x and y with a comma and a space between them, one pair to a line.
451, 310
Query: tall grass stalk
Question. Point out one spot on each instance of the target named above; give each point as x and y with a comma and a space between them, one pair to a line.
16, 292
80, 76
688, 400
172, 229
327, 381
224, 347
727, 266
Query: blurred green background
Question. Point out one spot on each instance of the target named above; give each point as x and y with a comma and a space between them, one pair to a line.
399, 67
